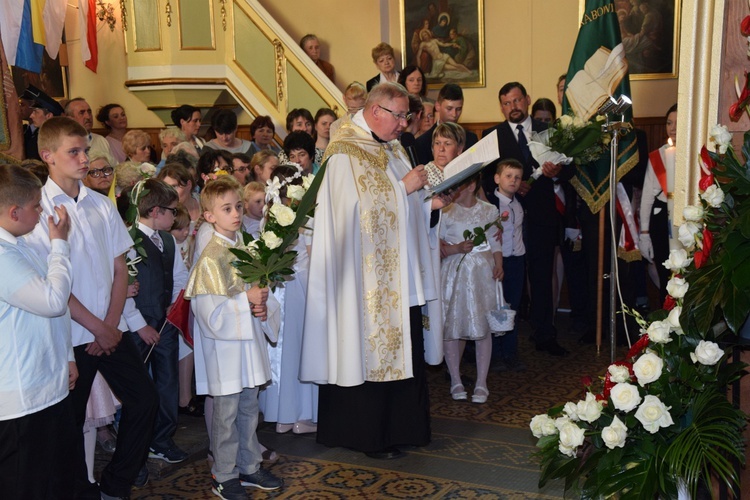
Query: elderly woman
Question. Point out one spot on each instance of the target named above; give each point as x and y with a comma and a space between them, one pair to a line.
224, 123
168, 138
382, 56
414, 81
428, 118
188, 119
311, 45
137, 146
113, 117
100, 175
262, 132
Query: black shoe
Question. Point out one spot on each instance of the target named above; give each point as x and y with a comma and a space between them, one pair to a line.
173, 455
387, 454
141, 479
262, 479
229, 490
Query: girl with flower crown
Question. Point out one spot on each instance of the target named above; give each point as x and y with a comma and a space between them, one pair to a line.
468, 294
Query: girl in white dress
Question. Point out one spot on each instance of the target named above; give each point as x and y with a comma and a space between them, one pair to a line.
468, 291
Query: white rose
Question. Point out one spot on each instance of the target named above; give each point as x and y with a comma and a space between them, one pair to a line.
590, 409
653, 414
566, 120
542, 425
295, 192
579, 122
283, 214
714, 196
687, 232
252, 248
625, 396
674, 319
571, 410
307, 180
561, 421
648, 368
271, 240
677, 260
147, 169
618, 374
693, 213
721, 137
571, 437
677, 287
707, 353
658, 332
614, 434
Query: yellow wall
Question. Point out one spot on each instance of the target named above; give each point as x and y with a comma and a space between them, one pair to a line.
349, 30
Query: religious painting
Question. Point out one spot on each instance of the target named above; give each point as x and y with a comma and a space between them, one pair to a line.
53, 80
445, 38
650, 31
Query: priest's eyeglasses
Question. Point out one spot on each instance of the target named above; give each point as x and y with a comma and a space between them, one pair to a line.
101, 172
398, 116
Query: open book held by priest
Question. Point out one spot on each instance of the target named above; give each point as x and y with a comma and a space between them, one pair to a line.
467, 164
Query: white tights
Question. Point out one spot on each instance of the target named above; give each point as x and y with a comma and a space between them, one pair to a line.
454, 350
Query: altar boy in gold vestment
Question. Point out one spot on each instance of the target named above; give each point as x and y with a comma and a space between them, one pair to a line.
370, 270
231, 359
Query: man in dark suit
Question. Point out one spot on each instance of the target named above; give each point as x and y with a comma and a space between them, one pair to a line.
448, 108
543, 221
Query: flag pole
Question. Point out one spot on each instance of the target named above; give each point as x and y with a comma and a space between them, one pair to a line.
600, 285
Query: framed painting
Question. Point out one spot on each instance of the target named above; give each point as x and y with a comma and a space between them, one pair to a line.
650, 31
446, 39
53, 80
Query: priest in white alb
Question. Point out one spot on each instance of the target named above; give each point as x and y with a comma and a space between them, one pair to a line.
370, 271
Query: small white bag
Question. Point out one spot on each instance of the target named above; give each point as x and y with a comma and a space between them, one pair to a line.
502, 319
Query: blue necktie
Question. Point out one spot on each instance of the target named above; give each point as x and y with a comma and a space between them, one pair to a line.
523, 144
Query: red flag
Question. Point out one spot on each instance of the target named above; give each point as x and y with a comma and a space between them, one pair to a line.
178, 317
89, 49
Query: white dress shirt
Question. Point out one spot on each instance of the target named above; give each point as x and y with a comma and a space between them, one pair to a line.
97, 237
35, 345
133, 317
512, 228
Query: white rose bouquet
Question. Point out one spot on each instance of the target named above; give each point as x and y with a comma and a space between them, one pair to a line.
269, 259
570, 139
660, 418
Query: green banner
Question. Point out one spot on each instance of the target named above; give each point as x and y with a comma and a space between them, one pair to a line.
597, 70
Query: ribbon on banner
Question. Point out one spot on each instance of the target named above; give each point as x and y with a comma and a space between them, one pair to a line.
627, 248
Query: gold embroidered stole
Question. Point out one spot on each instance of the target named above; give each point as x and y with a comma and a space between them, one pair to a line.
382, 301
214, 274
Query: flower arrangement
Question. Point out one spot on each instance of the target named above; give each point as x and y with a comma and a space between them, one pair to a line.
569, 139
268, 260
660, 420
131, 221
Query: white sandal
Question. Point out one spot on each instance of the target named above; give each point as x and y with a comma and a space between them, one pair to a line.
458, 395
480, 398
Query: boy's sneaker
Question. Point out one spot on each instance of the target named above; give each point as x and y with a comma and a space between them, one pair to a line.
173, 455
262, 479
228, 490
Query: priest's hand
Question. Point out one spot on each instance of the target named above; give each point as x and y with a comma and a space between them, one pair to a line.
441, 201
415, 179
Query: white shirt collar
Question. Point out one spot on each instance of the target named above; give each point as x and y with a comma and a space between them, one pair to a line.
145, 229
5, 235
527, 124
233, 242
53, 190
504, 199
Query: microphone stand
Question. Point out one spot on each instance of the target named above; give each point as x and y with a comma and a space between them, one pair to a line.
615, 128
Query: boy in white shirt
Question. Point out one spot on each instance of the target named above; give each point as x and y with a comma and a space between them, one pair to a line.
508, 179
37, 367
231, 360
98, 243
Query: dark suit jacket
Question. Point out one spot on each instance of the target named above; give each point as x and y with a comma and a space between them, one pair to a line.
372, 82
423, 145
539, 202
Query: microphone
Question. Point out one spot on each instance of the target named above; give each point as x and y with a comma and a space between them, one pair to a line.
412, 156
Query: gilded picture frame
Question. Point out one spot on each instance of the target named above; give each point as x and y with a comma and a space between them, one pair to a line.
650, 33
446, 39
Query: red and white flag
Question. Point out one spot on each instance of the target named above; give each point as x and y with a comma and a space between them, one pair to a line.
89, 49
